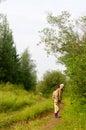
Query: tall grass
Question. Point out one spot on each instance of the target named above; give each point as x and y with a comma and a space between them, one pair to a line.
14, 97
16, 104
74, 117
25, 114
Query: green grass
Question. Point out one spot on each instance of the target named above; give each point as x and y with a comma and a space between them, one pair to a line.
31, 125
74, 117
21, 110
27, 113
18, 105
14, 97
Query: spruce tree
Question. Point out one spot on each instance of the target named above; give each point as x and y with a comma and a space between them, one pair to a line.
9, 61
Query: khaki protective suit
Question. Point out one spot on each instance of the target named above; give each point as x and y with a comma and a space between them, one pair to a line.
56, 96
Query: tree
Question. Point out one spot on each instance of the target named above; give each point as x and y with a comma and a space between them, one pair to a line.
68, 37
9, 60
51, 80
28, 72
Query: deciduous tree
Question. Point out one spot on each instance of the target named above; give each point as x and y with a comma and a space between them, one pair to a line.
67, 37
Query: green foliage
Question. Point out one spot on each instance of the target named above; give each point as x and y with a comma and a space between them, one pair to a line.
33, 106
74, 117
40, 86
50, 82
14, 97
67, 37
8, 57
16, 104
12, 68
28, 72
28, 113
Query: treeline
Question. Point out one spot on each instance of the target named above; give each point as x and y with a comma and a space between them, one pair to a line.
13, 67
67, 37
51, 80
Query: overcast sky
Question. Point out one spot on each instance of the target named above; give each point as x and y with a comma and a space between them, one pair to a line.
27, 17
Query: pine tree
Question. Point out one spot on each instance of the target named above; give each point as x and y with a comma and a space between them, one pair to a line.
9, 60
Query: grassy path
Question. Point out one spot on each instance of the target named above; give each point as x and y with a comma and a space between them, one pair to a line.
45, 122
52, 122
70, 120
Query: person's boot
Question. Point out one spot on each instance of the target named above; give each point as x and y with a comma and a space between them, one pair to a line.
56, 116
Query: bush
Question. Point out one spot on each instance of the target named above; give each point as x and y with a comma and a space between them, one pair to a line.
50, 82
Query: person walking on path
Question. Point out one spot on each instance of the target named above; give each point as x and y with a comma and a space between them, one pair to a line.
57, 97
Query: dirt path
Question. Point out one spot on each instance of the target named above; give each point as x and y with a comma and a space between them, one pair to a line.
52, 122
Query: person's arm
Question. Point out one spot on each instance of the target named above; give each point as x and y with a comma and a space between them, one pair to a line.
59, 97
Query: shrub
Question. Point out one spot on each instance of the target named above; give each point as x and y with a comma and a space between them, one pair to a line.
50, 82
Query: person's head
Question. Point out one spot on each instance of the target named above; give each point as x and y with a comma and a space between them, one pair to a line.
61, 86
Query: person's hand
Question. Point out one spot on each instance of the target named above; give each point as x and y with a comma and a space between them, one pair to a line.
59, 101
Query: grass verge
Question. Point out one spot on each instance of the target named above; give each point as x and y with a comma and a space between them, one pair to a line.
74, 117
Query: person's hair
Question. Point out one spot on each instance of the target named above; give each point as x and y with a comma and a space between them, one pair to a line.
61, 85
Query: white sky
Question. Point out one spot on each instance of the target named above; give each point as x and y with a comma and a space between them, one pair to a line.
27, 17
